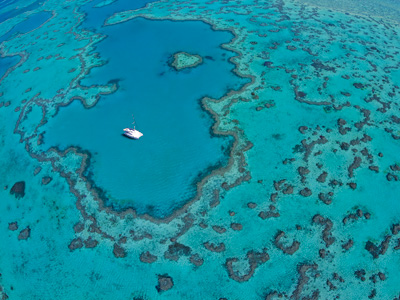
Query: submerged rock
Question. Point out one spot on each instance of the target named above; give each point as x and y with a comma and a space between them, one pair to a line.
306, 192
18, 189
327, 231
46, 180
251, 205
147, 257
346, 246
13, 226
286, 249
78, 227
165, 283
254, 260
24, 234
90, 243
37, 170
219, 229
213, 247
75, 244
196, 260
118, 251
177, 250
376, 251
236, 226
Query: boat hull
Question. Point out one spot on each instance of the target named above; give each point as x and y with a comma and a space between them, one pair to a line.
130, 136
132, 133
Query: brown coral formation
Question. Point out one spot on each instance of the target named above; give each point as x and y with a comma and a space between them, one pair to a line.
286, 249
376, 251
90, 243
147, 257
24, 234
196, 260
214, 248
13, 226
254, 259
165, 283
118, 251
75, 244
46, 180
326, 233
176, 250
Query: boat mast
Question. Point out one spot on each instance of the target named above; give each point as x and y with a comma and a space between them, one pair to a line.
134, 123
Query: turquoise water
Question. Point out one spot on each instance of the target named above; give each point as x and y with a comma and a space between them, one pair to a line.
387, 9
306, 203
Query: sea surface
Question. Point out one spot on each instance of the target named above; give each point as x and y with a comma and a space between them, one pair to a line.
177, 147
269, 170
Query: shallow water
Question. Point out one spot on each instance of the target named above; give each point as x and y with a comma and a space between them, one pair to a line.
308, 205
387, 9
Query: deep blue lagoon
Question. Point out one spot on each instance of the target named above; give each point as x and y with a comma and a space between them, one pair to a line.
7, 63
158, 173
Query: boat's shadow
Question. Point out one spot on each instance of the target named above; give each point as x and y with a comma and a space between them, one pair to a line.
127, 137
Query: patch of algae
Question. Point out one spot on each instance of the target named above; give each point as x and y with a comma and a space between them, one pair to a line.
183, 60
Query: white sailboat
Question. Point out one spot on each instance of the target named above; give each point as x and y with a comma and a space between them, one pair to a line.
132, 132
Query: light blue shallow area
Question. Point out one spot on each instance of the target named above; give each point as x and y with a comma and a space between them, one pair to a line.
158, 173
177, 144
389, 9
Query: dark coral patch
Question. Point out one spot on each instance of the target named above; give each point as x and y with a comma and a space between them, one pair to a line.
147, 257
24, 234
118, 251
18, 189
165, 283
